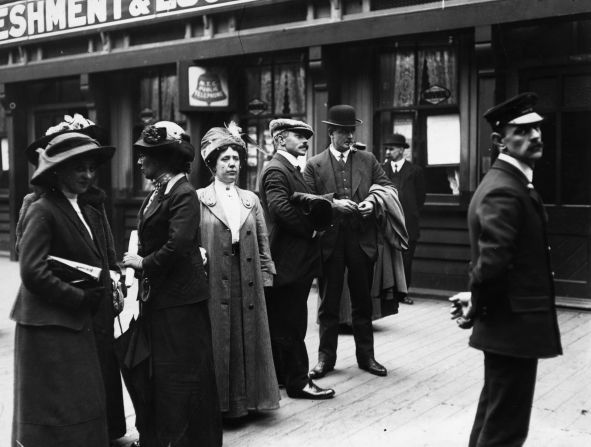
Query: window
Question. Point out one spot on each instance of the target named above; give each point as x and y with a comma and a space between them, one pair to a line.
417, 96
156, 100
275, 88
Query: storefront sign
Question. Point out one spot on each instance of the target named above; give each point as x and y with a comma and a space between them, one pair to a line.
203, 88
257, 106
33, 19
435, 94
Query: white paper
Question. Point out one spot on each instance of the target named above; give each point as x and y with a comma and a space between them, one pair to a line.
5, 154
132, 250
443, 140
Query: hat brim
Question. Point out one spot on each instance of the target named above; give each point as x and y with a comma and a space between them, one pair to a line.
306, 132
402, 145
183, 147
93, 131
101, 154
357, 123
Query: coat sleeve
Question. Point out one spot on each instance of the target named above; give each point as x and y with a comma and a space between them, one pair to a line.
308, 175
267, 264
378, 176
182, 233
35, 272
499, 216
283, 212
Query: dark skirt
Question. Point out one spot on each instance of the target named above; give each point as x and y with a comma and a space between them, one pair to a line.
185, 409
59, 397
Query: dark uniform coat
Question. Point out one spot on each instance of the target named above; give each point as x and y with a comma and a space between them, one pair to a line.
256, 271
511, 277
59, 392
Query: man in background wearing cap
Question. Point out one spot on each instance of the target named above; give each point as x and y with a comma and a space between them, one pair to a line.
408, 179
351, 242
296, 253
512, 304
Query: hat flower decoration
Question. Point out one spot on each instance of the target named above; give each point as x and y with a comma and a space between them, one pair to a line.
75, 122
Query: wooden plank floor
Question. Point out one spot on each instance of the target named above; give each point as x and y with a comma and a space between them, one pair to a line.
429, 396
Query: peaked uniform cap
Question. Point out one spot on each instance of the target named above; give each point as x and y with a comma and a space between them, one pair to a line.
342, 115
165, 136
518, 110
65, 147
286, 124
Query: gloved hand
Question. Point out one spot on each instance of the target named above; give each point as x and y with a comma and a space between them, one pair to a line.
93, 298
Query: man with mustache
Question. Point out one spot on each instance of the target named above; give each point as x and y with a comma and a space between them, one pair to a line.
512, 303
296, 253
350, 242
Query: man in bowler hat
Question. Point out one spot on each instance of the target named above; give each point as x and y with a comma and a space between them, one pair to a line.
296, 253
409, 181
511, 303
350, 242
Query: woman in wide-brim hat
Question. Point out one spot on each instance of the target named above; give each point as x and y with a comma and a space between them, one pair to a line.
234, 234
103, 319
59, 391
184, 408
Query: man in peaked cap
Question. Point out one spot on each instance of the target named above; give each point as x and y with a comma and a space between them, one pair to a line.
511, 303
350, 242
296, 253
409, 180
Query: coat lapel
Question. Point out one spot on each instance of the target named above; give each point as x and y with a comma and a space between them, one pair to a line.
292, 169
94, 221
247, 205
209, 199
356, 172
326, 171
70, 213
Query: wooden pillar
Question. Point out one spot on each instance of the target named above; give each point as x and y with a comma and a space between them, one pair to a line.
319, 98
13, 100
486, 86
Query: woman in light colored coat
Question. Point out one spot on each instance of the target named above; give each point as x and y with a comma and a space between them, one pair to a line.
234, 235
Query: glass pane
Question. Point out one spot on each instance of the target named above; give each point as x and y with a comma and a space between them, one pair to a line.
577, 91
403, 124
438, 76
290, 89
4, 163
397, 79
443, 139
259, 90
547, 92
442, 180
576, 158
169, 101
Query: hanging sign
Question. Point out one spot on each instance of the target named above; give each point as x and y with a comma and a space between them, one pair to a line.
33, 19
257, 106
435, 94
203, 88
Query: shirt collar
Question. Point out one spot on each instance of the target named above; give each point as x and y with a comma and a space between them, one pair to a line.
337, 154
293, 160
221, 186
525, 169
398, 163
173, 181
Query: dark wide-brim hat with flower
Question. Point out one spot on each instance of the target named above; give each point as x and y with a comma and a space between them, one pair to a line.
164, 136
65, 147
76, 123
218, 137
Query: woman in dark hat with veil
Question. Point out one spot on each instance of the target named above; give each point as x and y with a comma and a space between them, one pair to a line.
59, 391
184, 409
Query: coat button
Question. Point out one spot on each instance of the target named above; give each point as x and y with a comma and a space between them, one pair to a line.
549, 248
249, 259
251, 284
251, 306
248, 232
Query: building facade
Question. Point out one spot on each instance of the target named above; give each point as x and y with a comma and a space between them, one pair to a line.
426, 69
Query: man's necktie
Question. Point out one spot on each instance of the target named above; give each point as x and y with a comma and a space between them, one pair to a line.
395, 169
342, 160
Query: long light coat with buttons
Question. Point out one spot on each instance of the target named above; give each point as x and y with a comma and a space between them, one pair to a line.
256, 270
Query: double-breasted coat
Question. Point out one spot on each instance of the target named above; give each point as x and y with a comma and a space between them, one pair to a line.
511, 277
65, 404
256, 272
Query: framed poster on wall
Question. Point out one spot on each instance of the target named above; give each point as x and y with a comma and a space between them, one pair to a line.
203, 87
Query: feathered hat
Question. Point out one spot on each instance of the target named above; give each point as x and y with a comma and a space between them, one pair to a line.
163, 135
218, 137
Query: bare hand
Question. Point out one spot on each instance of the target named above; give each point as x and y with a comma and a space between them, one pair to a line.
365, 208
346, 206
461, 308
133, 261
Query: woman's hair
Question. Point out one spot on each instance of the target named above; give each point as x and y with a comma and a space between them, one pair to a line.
173, 161
212, 158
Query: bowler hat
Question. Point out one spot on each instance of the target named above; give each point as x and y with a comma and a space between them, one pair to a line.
77, 124
65, 147
218, 137
343, 116
397, 140
285, 124
162, 136
518, 110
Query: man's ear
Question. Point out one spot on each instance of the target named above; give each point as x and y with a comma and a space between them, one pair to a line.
497, 141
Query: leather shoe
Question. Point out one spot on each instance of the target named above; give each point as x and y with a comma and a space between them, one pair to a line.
320, 370
407, 300
373, 367
311, 391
